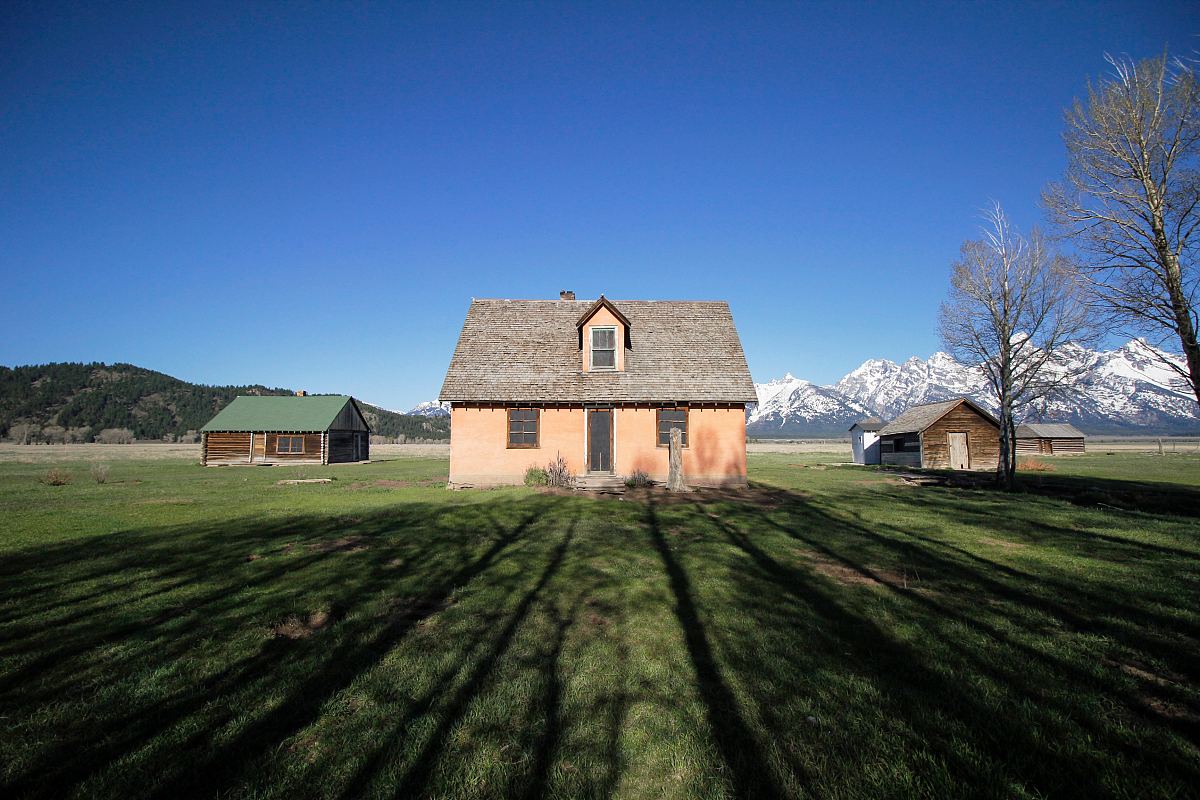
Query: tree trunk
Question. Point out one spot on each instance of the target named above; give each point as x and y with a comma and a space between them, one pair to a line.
675, 474
1007, 468
1183, 322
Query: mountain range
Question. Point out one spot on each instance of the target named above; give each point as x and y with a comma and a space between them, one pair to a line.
1129, 390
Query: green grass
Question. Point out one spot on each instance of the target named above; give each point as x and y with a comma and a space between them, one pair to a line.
182, 631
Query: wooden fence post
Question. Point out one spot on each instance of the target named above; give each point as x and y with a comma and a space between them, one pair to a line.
675, 475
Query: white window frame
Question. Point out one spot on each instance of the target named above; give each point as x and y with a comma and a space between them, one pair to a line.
592, 346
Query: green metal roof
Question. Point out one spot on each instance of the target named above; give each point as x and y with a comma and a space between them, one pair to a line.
252, 413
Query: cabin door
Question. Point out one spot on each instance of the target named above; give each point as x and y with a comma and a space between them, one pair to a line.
959, 456
599, 439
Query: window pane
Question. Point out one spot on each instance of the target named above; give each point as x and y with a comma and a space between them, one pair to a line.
603, 338
604, 358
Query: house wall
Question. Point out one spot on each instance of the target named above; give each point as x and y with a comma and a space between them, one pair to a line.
983, 440
865, 445
603, 318
716, 451
479, 455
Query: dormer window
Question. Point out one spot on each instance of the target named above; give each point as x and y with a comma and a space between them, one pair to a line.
604, 348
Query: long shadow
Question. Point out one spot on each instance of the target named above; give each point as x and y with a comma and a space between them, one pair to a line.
751, 775
787, 579
224, 766
539, 781
415, 781
362, 642
925, 549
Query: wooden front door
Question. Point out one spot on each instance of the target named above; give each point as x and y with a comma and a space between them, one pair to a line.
960, 457
599, 439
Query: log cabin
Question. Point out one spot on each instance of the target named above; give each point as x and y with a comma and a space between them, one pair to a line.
304, 429
601, 384
952, 434
1049, 439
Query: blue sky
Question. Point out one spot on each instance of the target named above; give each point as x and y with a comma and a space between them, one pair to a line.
308, 195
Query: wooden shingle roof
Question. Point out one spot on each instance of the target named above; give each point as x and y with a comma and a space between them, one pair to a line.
1048, 430
918, 418
528, 351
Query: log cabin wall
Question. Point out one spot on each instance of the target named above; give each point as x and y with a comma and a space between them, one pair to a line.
313, 448
222, 447
1050, 447
983, 439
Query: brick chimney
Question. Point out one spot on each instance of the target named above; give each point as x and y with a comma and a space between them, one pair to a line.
566, 295
301, 393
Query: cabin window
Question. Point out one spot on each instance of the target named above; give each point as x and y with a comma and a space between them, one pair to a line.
523, 427
289, 444
604, 348
672, 418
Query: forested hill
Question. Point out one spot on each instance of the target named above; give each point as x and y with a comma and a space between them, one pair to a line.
74, 402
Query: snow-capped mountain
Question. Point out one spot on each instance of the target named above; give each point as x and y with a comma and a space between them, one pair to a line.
1129, 390
431, 408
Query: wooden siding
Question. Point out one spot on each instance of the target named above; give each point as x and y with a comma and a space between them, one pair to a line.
983, 440
341, 446
908, 456
226, 448
1049, 447
348, 419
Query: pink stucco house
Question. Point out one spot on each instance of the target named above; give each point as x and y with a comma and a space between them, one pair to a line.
600, 383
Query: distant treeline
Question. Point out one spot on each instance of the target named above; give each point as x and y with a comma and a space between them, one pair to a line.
77, 402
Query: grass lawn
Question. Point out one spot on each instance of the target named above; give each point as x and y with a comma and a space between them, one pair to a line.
181, 631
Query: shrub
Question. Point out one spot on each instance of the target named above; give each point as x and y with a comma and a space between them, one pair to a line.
558, 474
1034, 465
56, 477
100, 473
637, 479
536, 476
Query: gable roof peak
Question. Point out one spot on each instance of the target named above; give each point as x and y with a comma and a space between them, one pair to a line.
602, 302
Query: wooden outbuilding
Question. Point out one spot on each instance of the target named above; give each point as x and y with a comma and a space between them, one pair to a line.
864, 440
953, 434
1049, 439
305, 429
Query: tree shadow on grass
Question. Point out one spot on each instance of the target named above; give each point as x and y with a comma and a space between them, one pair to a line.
214, 722
977, 689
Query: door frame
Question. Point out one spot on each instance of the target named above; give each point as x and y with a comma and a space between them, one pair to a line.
966, 447
612, 439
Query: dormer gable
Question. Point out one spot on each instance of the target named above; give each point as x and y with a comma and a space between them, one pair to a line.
603, 335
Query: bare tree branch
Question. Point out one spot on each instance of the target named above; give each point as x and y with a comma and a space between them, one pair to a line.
1130, 199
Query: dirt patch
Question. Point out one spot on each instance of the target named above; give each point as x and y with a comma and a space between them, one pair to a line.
298, 627
1165, 709
307, 746
1004, 543
862, 576
346, 544
1144, 673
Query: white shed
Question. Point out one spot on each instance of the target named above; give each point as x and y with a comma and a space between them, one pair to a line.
864, 438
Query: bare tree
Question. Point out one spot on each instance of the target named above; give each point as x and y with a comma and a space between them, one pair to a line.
1130, 197
1014, 305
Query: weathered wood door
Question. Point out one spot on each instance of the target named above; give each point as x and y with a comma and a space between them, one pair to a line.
600, 440
960, 457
